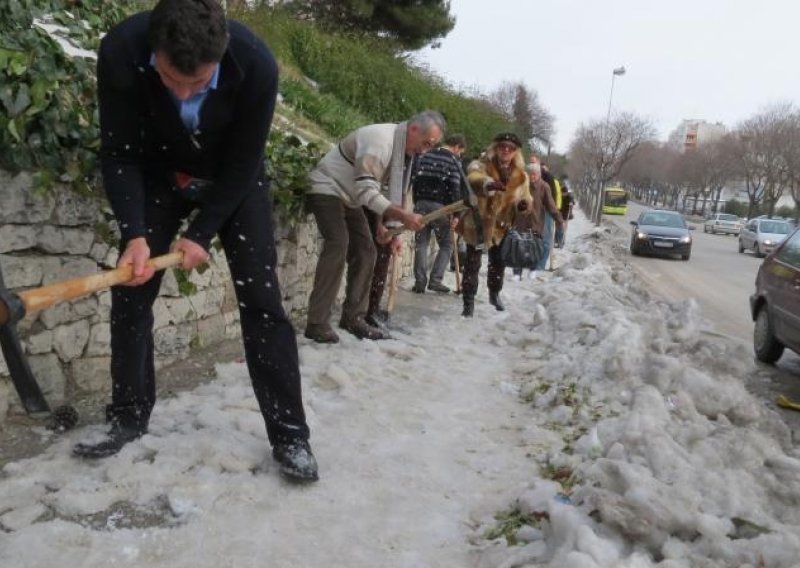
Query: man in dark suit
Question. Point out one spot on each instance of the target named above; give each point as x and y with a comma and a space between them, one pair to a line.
186, 103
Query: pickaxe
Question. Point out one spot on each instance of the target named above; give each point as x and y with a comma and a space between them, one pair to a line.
15, 306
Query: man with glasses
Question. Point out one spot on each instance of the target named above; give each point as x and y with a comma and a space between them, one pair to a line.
501, 185
347, 185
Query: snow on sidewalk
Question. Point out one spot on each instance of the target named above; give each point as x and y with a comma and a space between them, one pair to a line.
591, 424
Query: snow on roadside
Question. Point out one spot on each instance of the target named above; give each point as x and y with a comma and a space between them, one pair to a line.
591, 424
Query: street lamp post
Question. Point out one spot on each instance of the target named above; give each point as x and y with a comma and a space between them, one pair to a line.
614, 73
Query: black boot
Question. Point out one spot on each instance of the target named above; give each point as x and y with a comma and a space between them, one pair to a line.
469, 307
297, 461
116, 438
494, 299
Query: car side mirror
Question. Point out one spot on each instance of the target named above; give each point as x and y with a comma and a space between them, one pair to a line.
692, 227
634, 223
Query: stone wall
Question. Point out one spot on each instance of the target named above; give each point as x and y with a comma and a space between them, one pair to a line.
49, 236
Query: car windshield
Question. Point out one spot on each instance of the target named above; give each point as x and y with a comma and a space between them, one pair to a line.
662, 220
728, 218
775, 227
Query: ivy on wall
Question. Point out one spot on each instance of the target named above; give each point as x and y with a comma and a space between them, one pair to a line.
48, 99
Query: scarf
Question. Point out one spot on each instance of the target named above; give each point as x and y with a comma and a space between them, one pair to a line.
399, 174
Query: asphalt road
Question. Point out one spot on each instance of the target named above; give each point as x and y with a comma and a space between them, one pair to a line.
721, 280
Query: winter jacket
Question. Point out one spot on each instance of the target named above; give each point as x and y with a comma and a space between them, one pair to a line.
498, 211
437, 177
144, 142
533, 219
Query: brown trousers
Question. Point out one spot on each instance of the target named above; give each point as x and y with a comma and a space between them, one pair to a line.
347, 240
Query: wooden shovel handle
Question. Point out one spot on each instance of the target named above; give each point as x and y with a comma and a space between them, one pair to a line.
38, 299
454, 207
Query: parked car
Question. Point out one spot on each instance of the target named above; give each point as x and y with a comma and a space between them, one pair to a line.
722, 223
661, 232
762, 235
775, 306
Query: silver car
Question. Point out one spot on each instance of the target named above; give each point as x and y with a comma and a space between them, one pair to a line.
722, 223
762, 236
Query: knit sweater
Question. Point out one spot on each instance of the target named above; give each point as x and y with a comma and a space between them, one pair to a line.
437, 177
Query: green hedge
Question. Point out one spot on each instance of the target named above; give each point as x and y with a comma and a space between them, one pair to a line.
376, 84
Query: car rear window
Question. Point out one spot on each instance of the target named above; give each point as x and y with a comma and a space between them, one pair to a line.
728, 218
775, 227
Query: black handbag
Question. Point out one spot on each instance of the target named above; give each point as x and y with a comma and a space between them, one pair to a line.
521, 249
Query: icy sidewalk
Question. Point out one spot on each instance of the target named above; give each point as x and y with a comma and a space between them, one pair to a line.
591, 424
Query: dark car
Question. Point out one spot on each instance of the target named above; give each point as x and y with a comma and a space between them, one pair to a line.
661, 232
775, 306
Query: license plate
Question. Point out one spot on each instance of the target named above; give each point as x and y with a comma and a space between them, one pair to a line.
663, 244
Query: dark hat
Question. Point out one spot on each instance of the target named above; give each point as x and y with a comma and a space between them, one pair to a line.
508, 137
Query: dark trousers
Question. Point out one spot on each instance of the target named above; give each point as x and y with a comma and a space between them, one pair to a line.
346, 241
269, 339
472, 266
380, 272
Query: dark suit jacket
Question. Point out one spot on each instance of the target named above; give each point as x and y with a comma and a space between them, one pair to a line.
144, 141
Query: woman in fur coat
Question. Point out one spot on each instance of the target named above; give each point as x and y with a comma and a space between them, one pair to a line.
501, 185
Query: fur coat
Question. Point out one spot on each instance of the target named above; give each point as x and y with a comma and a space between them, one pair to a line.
498, 211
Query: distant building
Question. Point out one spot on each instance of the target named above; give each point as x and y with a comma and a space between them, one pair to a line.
693, 132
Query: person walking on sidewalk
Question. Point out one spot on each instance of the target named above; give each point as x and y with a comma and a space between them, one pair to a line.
436, 183
542, 204
549, 231
501, 186
186, 102
351, 176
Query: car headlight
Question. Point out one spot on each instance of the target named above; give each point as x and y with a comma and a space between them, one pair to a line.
641, 235
768, 242
686, 239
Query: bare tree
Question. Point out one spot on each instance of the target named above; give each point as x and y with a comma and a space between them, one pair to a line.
521, 105
760, 156
649, 173
791, 157
601, 149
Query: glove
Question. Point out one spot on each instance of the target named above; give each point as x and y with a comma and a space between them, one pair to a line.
494, 185
522, 205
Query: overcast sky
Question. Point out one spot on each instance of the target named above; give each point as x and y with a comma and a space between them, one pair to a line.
718, 60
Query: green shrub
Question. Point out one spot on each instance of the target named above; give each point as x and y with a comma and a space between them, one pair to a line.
289, 162
48, 121
364, 76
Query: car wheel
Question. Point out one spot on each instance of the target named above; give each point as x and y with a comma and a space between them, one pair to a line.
634, 248
766, 346
705, 229
757, 251
686, 256
741, 247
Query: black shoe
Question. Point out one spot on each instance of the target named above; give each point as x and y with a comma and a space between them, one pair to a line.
438, 287
363, 330
494, 299
116, 438
297, 461
469, 307
418, 288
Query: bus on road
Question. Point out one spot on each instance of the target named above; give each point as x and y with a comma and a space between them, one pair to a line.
615, 201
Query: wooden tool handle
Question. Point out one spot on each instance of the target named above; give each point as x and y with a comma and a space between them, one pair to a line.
38, 299
454, 207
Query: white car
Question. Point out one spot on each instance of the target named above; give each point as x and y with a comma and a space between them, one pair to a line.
762, 236
722, 223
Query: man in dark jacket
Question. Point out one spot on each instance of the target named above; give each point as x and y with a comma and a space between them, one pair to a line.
186, 104
436, 183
